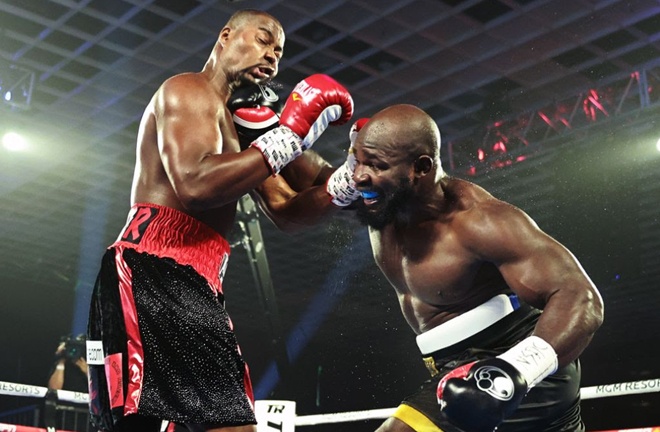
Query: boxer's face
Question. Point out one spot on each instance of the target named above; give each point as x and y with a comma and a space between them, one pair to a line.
394, 203
254, 49
382, 175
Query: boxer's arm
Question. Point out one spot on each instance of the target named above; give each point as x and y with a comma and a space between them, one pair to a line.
298, 197
540, 271
191, 143
309, 169
292, 210
191, 147
278, 196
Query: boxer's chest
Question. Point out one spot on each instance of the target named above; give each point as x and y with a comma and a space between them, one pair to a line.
430, 265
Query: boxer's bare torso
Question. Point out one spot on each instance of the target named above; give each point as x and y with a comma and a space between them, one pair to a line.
152, 182
434, 272
447, 245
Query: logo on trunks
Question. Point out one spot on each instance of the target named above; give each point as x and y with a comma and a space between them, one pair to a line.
495, 382
138, 224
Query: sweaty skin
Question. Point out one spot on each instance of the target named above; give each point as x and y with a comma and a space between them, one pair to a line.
451, 245
188, 154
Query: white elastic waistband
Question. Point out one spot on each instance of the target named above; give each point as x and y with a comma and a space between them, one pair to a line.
466, 324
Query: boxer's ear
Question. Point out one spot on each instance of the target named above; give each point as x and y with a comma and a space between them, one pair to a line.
223, 36
423, 165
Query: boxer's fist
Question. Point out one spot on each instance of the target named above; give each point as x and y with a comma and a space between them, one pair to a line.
256, 110
314, 103
256, 95
341, 186
355, 129
478, 396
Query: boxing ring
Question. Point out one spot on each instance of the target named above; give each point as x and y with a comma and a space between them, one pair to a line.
276, 415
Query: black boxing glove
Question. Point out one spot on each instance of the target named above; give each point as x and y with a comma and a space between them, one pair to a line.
255, 110
478, 396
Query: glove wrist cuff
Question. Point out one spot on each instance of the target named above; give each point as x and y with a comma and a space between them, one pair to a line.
534, 358
279, 146
327, 116
341, 187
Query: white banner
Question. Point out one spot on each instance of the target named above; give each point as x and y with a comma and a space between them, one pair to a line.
275, 415
13, 389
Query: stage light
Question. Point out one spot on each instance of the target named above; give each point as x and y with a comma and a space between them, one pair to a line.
16, 85
657, 145
13, 141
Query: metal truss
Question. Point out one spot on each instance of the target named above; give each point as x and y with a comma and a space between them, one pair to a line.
514, 139
251, 238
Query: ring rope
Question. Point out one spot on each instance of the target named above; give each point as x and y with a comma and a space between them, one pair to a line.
593, 392
6, 427
14, 389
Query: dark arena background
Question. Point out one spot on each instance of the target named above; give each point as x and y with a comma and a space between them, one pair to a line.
552, 105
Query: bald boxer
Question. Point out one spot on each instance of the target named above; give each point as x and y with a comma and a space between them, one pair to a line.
160, 343
501, 310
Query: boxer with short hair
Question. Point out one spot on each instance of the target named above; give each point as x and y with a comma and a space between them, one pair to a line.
160, 343
502, 310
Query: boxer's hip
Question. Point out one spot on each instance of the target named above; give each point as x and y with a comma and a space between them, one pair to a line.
169, 233
491, 327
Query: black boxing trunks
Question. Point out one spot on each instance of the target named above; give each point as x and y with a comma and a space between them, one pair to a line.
553, 405
160, 342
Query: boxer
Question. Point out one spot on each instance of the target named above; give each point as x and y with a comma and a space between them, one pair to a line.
163, 344
501, 309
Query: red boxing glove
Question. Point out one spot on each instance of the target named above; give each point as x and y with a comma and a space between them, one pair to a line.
315, 103
355, 129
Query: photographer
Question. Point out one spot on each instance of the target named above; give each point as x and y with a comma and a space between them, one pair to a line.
70, 369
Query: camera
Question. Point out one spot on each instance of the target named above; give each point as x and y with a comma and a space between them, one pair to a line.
74, 348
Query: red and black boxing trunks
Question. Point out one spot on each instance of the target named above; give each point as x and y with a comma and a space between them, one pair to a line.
169, 351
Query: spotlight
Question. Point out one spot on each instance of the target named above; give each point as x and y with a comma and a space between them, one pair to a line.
13, 141
16, 85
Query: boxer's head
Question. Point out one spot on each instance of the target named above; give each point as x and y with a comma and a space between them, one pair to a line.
251, 46
398, 153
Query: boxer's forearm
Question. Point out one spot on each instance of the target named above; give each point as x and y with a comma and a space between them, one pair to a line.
306, 171
291, 211
569, 321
